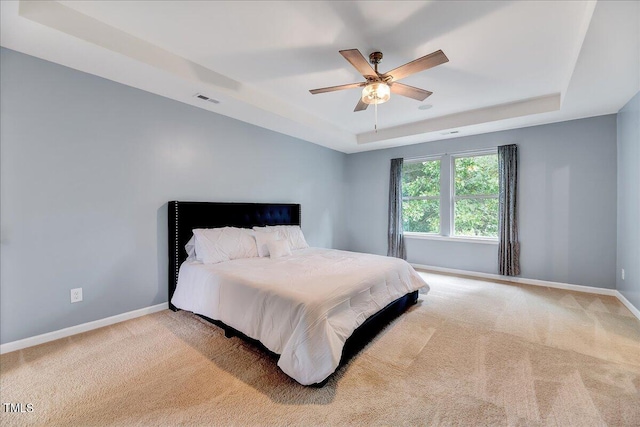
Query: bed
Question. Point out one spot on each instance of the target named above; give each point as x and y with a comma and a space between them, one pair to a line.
312, 309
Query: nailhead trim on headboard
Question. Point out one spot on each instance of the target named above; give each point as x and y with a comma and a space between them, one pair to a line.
177, 251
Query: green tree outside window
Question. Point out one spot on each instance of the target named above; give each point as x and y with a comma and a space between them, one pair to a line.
475, 196
421, 196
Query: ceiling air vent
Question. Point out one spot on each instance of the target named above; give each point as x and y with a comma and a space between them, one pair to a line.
206, 98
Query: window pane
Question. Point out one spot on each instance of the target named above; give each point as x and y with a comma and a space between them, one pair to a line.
421, 179
476, 217
421, 216
476, 175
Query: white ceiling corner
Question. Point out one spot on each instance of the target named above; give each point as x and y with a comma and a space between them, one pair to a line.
511, 63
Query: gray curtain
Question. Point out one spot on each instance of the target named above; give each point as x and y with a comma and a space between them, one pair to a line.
509, 247
396, 240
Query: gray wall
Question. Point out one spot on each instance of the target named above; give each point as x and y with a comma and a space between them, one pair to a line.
629, 201
87, 167
567, 202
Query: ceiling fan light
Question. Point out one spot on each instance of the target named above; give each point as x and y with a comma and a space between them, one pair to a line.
376, 93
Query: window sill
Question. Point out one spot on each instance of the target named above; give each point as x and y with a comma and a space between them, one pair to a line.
425, 236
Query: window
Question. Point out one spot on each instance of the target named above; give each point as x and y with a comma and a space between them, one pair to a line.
421, 196
451, 195
475, 198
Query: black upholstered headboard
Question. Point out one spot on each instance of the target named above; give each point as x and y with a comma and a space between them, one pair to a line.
185, 216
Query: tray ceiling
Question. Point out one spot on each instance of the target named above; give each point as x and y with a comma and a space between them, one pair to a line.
511, 64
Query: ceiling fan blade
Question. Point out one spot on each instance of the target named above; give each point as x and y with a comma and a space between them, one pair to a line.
356, 59
410, 91
361, 106
429, 61
334, 88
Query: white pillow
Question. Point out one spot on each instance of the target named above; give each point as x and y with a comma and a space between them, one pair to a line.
279, 248
190, 247
214, 245
263, 237
293, 234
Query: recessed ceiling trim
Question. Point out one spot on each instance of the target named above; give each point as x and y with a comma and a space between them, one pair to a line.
543, 104
62, 18
582, 34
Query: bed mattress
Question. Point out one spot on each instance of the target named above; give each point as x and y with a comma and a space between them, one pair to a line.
302, 307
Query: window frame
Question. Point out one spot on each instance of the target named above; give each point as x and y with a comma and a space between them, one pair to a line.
453, 198
438, 197
448, 197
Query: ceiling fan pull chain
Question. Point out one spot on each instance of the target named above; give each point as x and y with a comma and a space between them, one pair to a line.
375, 126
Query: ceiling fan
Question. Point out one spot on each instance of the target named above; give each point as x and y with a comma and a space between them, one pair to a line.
378, 86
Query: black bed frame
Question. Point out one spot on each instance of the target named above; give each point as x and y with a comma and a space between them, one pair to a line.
185, 216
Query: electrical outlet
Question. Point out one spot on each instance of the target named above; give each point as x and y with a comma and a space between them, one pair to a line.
76, 295
622, 274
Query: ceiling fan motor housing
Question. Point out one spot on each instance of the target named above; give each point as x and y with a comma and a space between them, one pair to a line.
375, 57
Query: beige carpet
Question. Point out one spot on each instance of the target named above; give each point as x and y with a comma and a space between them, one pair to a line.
470, 353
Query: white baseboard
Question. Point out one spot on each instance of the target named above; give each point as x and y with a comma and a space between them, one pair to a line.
535, 282
628, 304
73, 330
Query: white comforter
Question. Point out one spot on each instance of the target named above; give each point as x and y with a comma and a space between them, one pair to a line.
302, 306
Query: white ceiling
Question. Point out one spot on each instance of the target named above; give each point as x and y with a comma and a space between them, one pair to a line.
511, 63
